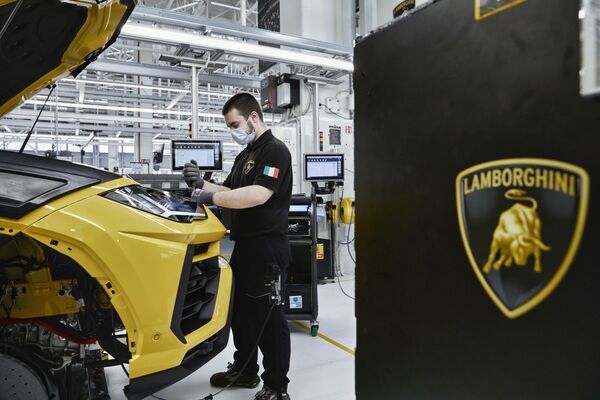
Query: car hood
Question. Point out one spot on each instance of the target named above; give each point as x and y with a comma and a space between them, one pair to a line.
47, 40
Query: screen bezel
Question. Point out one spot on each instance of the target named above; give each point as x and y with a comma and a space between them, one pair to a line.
218, 167
326, 178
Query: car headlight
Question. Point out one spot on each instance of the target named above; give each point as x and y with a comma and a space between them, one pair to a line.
158, 202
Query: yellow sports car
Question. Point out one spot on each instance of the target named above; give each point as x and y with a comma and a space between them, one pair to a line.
93, 264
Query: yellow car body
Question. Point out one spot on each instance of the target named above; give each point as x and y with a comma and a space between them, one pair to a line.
140, 260
72, 257
49, 40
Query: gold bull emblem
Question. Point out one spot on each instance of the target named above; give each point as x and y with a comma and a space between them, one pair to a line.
518, 235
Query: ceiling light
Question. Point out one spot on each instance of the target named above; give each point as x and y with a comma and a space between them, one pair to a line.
127, 85
168, 36
147, 87
126, 109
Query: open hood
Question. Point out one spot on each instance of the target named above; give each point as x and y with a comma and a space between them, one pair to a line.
48, 40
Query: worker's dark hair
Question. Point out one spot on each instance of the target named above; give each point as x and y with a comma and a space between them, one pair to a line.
245, 103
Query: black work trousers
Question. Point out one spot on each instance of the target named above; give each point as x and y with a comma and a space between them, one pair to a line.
252, 262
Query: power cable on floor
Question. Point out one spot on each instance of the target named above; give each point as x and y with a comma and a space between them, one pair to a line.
240, 373
342, 289
255, 348
262, 330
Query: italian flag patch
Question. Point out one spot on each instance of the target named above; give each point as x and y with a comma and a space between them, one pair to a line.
272, 172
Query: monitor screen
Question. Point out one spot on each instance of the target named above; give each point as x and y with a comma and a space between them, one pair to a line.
324, 167
207, 153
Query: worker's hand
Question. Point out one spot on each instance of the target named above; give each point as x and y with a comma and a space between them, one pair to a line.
203, 197
191, 175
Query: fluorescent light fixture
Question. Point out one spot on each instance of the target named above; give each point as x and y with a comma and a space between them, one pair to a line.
96, 101
147, 87
156, 136
173, 37
126, 109
126, 85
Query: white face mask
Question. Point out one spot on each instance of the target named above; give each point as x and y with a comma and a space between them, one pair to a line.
240, 136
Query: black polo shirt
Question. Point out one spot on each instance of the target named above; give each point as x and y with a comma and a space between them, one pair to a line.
267, 162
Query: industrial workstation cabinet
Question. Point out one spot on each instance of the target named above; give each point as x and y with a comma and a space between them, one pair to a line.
301, 292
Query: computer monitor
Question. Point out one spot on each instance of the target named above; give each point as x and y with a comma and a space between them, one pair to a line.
207, 153
323, 167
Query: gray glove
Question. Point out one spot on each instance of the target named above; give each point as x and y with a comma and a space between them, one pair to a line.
203, 197
191, 175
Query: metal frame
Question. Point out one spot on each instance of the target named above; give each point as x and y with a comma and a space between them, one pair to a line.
204, 24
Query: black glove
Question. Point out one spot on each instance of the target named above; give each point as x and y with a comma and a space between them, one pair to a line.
191, 175
203, 197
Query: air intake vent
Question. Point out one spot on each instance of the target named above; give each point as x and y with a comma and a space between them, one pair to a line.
201, 248
197, 295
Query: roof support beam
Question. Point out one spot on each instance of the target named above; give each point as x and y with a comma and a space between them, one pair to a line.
181, 74
226, 28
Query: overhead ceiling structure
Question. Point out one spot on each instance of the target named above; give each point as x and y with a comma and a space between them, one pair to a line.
143, 83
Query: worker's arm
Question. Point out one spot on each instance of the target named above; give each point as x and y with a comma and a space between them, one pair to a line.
245, 197
214, 188
237, 199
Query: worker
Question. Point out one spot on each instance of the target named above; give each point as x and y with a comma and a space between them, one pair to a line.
258, 191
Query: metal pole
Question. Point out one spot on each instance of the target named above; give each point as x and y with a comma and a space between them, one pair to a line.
56, 116
12, 15
348, 23
194, 102
368, 16
316, 117
243, 11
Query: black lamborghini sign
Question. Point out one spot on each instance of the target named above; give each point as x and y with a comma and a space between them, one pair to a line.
521, 221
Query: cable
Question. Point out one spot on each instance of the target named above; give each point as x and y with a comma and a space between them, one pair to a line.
262, 330
348, 236
342, 289
36, 120
255, 348
348, 241
330, 111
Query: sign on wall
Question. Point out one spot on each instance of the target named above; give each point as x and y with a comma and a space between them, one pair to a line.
521, 222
